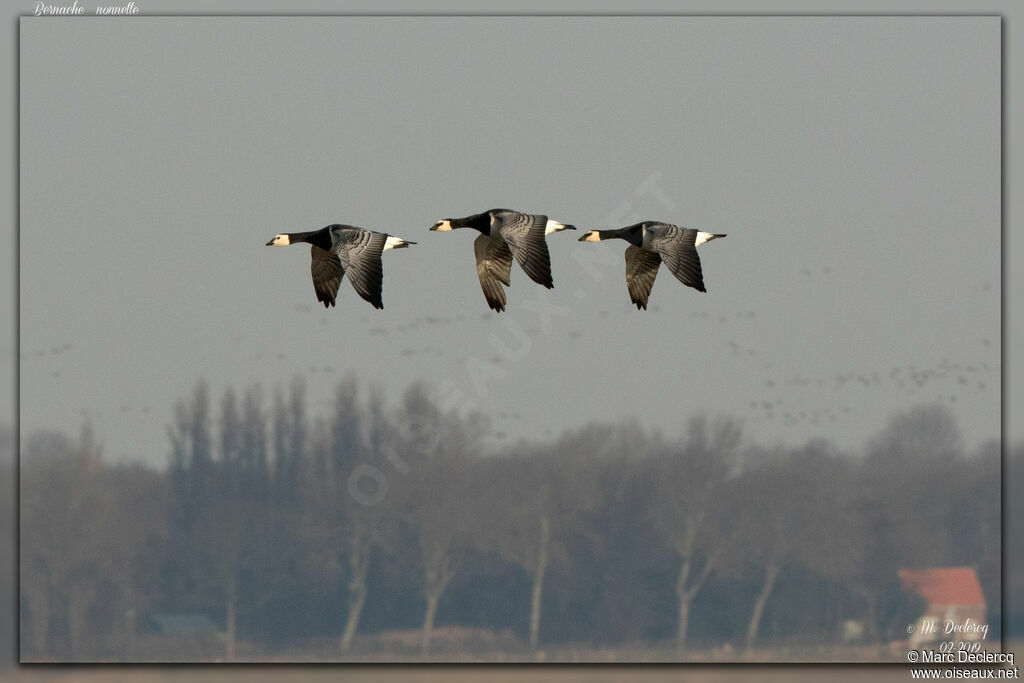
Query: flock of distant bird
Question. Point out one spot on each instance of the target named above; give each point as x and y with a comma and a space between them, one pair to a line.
504, 235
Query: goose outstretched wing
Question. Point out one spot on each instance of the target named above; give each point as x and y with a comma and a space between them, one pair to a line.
493, 266
327, 273
641, 269
677, 248
525, 236
359, 251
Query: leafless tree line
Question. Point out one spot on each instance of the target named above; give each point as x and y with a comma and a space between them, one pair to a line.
284, 524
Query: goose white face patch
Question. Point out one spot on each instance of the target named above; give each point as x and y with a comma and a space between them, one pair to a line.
391, 242
280, 241
592, 236
442, 226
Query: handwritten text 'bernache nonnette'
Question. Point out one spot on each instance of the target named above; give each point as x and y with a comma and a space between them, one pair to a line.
76, 10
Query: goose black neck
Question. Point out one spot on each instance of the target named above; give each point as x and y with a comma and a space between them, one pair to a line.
480, 221
633, 234
320, 238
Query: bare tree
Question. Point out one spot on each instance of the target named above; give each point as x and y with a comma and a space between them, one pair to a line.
372, 524
788, 509
685, 506
235, 536
44, 468
63, 561
289, 438
192, 454
440, 498
225, 538
537, 501
82, 533
345, 528
222, 525
137, 540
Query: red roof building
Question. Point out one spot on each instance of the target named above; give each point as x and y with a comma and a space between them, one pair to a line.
956, 605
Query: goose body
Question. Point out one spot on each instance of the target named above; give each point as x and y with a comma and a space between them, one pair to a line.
506, 235
337, 249
650, 244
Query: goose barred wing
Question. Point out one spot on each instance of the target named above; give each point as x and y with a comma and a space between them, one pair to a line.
493, 266
677, 247
641, 269
359, 251
525, 236
327, 273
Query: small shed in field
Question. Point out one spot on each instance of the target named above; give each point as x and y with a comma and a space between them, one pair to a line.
956, 605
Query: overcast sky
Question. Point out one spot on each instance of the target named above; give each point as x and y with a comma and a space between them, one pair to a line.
853, 163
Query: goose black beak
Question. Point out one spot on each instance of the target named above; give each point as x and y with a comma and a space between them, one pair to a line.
270, 243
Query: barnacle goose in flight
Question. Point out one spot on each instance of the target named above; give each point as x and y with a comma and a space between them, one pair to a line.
650, 243
503, 234
339, 249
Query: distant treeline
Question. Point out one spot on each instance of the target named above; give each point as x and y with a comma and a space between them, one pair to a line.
285, 525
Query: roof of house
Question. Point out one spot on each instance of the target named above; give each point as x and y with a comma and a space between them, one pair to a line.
943, 586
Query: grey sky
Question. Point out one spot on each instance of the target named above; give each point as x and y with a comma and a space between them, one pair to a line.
853, 162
